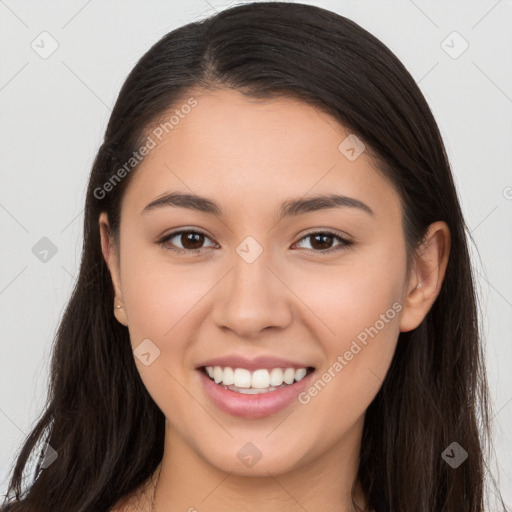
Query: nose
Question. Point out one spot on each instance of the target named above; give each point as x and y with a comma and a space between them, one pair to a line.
252, 298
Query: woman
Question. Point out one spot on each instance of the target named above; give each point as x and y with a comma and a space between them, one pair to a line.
275, 308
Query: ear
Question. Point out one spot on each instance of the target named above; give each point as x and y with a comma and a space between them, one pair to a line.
427, 275
111, 256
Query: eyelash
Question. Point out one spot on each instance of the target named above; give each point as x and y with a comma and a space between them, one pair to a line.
344, 243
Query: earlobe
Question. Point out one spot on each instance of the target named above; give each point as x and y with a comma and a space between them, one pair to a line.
109, 252
427, 276
120, 314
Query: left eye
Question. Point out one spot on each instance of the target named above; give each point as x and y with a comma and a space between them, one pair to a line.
193, 240
321, 238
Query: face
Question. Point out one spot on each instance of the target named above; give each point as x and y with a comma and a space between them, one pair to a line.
317, 287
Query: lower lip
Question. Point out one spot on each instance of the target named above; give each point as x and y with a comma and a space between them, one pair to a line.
252, 406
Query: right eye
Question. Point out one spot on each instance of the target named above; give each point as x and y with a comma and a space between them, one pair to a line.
191, 242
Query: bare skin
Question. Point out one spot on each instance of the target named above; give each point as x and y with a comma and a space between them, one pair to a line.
249, 156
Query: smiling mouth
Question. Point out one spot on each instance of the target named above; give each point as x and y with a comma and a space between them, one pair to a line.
241, 380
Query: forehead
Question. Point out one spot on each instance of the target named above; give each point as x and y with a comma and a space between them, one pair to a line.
253, 152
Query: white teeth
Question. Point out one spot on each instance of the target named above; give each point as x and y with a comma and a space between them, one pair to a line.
289, 375
228, 377
257, 381
276, 377
300, 374
260, 379
217, 374
242, 378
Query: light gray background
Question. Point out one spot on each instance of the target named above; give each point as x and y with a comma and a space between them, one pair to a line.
54, 112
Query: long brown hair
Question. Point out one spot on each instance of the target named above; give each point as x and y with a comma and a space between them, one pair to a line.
99, 418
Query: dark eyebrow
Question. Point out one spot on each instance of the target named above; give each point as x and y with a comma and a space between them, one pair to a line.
290, 208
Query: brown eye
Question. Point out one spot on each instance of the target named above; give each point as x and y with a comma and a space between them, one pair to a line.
321, 242
191, 241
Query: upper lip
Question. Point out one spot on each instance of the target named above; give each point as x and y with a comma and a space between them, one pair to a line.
256, 363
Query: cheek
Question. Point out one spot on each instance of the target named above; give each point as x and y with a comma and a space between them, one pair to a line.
357, 322
345, 298
162, 300
357, 360
360, 304
160, 294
